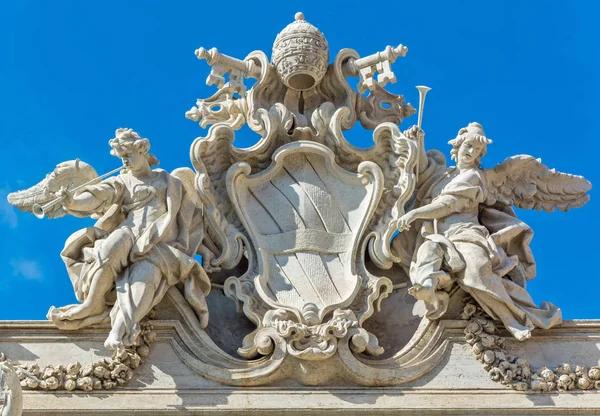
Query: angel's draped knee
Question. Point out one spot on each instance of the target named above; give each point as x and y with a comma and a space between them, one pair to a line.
436, 259
428, 264
114, 250
89, 249
478, 263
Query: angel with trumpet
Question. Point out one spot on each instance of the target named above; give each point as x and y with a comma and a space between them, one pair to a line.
149, 228
463, 229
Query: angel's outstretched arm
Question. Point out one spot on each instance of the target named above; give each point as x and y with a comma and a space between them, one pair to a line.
436, 210
92, 199
82, 201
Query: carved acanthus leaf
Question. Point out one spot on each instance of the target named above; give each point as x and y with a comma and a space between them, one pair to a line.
210, 158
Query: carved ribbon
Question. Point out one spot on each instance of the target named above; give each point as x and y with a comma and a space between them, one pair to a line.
306, 240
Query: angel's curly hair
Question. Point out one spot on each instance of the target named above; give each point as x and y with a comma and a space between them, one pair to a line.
128, 140
473, 130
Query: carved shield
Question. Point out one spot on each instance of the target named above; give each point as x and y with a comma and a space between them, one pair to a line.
305, 216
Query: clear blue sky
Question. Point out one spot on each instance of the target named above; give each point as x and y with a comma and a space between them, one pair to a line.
71, 72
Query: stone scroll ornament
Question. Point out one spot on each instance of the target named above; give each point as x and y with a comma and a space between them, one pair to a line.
315, 219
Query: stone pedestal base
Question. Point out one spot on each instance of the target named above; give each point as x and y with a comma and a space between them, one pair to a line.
166, 384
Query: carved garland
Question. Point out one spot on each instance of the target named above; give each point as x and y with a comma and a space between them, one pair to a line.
516, 372
106, 374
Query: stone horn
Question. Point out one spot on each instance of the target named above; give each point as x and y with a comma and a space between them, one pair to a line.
422, 92
40, 210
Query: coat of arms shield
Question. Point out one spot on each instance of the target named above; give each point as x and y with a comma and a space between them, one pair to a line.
305, 216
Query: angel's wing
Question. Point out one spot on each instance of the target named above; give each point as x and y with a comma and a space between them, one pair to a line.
218, 236
525, 182
396, 155
69, 174
187, 178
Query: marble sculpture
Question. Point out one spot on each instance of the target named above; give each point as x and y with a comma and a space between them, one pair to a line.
314, 221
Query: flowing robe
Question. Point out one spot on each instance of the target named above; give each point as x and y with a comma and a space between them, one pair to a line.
124, 239
484, 249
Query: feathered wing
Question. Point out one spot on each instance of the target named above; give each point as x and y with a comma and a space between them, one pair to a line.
525, 182
211, 157
187, 178
69, 174
396, 155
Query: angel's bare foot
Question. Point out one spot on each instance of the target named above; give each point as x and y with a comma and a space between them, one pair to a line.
522, 335
115, 337
425, 293
83, 311
436, 301
112, 343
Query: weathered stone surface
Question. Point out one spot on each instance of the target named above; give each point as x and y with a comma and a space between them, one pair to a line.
165, 384
332, 279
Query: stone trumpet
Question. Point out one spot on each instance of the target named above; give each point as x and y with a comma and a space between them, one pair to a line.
40, 210
422, 93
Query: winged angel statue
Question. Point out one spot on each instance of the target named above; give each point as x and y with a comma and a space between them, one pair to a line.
463, 230
149, 228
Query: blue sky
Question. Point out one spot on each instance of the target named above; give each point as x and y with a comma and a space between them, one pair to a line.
71, 72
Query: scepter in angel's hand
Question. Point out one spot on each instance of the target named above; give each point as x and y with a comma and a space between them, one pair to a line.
41, 199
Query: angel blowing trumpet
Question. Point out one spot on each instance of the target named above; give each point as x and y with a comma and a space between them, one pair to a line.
40, 210
149, 228
463, 230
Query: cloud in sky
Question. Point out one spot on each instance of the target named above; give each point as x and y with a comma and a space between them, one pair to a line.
8, 216
27, 269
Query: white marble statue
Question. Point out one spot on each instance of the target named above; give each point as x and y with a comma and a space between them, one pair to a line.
464, 230
149, 228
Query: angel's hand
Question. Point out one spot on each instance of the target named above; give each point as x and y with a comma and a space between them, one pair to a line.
414, 133
66, 196
405, 221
